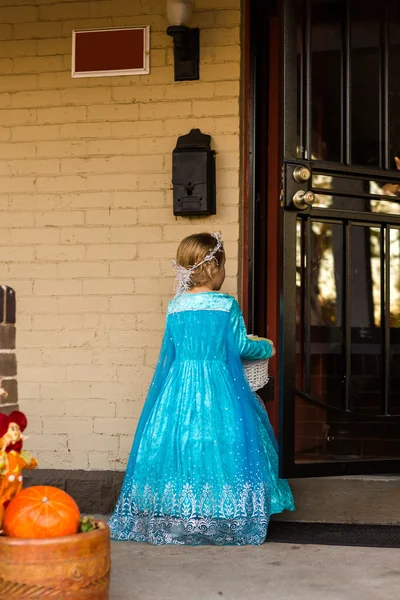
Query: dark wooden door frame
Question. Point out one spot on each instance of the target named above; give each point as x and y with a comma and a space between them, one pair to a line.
261, 180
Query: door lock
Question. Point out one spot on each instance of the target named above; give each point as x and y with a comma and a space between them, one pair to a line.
301, 174
303, 200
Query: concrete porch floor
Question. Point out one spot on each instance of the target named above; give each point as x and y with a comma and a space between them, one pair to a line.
272, 571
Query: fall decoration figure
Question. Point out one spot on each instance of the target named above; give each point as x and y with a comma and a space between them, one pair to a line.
13, 459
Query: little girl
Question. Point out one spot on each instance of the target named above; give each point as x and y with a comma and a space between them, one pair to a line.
204, 466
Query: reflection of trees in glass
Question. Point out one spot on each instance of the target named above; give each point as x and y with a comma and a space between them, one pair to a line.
323, 284
394, 261
395, 277
375, 251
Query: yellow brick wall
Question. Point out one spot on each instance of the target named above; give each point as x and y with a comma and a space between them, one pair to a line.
87, 231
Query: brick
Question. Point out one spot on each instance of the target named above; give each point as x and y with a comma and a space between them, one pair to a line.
60, 184
190, 90
158, 145
39, 408
91, 374
141, 374
218, 72
85, 235
64, 114
56, 287
11, 387
93, 441
138, 199
51, 443
137, 129
164, 110
5, 32
111, 251
113, 164
134, 268
13, 219
40, 373
85, 130
83, 304
17, 254
116, 112
204, 108
157, 250
64, 10
17, 184
109, 287
8, 365
67, 356
154, 286
227, 54
82, 426
60, 149
128, 408
35, 236
33, 167
5, 133
225, 18
153, 181
34, 339
17, 83
139, 94
60, 253
26, 14
114, 426
112, 147
176, 127
62, 322
54, 391
113, 389
111, 217
79, 270
118, 322
32, 305
153, 216
66, 218
112, 182
134, 339
30, 31
17, 117
35, 99
135, 356
38, 64
149, 322
86, 96
51, 47
42, 132
133, 304
227, 89
32, 270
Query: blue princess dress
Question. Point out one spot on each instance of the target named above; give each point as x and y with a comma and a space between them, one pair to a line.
204, 466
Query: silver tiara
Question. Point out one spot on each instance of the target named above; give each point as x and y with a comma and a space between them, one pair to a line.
184, 275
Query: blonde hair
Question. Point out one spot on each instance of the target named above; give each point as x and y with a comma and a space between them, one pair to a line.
192, 250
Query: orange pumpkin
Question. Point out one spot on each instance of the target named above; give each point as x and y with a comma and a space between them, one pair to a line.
41, 512
1, 515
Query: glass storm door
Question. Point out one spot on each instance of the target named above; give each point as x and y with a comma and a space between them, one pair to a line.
340, 303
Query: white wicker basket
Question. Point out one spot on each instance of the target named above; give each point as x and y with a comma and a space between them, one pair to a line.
257, 373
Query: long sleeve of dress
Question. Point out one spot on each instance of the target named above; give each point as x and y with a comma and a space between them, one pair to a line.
248, 349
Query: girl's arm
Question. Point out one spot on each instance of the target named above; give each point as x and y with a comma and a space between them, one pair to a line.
248, 349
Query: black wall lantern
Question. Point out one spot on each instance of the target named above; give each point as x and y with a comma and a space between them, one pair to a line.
193, 175
186, 40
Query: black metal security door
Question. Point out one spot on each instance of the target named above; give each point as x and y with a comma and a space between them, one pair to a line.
340, 375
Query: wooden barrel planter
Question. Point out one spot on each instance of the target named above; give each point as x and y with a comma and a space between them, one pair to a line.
73, 567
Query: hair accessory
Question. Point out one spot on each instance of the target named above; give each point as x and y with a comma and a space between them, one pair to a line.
183, 274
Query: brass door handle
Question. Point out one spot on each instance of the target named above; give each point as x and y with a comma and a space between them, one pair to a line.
301, 174
303, 200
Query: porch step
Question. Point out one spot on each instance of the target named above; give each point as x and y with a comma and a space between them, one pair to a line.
372, 500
